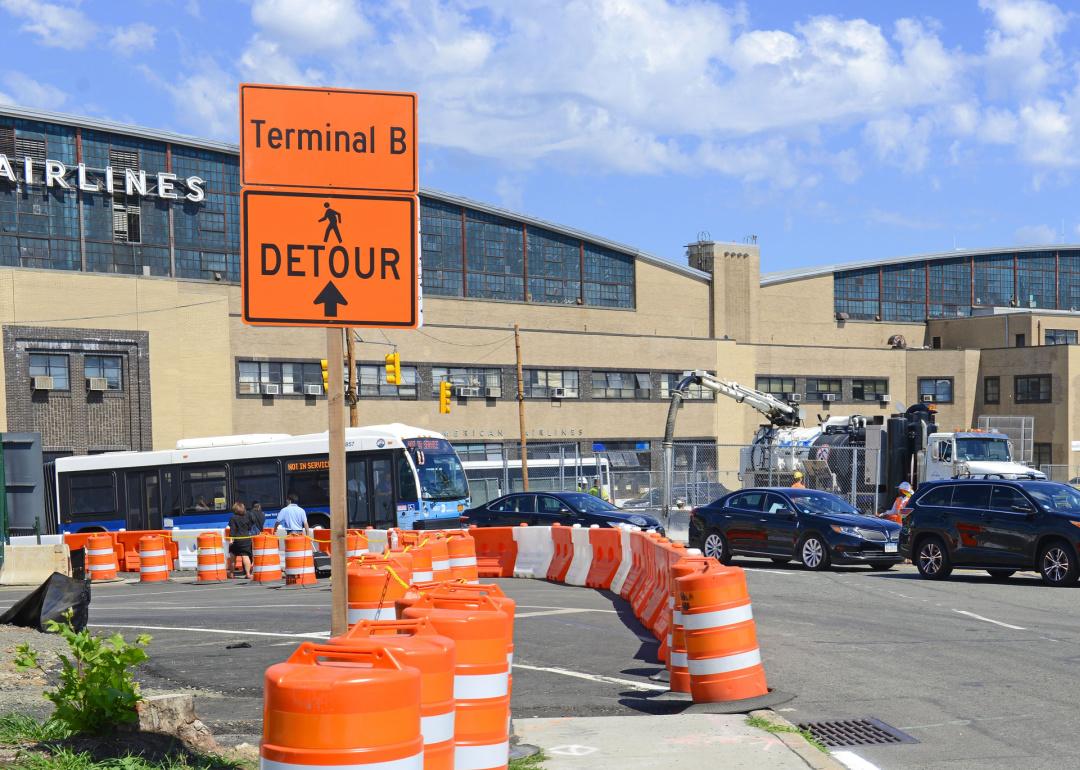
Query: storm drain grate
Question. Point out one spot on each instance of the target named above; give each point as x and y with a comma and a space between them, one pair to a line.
855, 732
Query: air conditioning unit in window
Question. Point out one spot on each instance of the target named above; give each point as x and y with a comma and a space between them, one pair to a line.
466, 391
828, 396
928, 398
884, 397
97, 383
794, 397
271, 389
41, 382
493, 392
313, 390
558, 392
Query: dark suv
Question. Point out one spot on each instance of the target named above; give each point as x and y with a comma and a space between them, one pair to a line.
997, 525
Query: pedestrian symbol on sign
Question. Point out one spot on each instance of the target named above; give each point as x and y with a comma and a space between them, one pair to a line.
331, 217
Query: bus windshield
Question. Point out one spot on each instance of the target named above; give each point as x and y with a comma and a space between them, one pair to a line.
982, 449
439, 469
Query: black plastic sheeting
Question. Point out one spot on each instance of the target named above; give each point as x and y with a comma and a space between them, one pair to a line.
50, 601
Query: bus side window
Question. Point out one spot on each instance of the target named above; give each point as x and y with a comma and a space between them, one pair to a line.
204, 489
170, 492
93, 495
406, 483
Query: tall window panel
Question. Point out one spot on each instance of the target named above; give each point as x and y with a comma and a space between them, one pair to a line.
1035, 279
554, 267
904, 289
440, 240
994, 281
950, 288
857, 293
1069, 280
207, 228
494, 257
609, 278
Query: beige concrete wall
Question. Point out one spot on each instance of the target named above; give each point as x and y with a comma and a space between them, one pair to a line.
190, 370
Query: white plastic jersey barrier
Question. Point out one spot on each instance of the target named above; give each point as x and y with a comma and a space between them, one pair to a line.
187, 544
32, 540
377, 540
535, 551
583, 554
625, 562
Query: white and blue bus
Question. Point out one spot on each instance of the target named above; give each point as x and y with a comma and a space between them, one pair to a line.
397, 476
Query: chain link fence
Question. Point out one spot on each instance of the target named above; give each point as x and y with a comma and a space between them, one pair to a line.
1019, 429
1063, 473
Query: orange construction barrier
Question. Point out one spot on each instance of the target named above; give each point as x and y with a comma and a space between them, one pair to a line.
679, 674
101, 557
334, 706
153, 559
721, 640
496, 551
607, 555
374, 586
211, 559
266, 564
462, 550
299, 561
564, 553
416, 643
481, 632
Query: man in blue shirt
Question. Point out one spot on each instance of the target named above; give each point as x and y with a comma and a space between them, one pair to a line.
292, 518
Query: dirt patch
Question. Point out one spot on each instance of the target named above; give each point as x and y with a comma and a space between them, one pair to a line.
153, 747
22, 690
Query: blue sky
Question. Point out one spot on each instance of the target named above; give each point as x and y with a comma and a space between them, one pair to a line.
834, 131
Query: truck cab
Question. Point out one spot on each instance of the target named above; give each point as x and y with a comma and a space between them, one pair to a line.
973, 454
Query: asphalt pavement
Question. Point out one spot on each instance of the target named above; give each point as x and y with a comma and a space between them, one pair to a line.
982, 673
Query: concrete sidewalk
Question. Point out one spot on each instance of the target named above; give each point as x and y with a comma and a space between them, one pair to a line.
682, 741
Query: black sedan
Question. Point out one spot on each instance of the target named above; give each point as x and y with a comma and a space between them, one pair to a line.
547, 508
782, 524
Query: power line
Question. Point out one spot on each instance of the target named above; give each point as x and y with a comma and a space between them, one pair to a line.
122, 315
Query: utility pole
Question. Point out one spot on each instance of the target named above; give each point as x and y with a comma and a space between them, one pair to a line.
521, 410
339, 584
353, 394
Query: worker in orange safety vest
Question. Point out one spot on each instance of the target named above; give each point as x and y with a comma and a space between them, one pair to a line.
905, 491
798, 482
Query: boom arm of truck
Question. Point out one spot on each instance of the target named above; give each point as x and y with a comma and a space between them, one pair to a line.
778, 413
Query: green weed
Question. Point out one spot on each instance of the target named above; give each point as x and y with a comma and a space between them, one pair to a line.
764, 724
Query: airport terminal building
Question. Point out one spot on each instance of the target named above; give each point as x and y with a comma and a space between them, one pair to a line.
120, 314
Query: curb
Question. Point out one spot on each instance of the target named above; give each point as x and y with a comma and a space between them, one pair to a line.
808, 753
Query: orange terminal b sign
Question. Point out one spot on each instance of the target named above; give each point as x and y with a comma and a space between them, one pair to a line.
292, 137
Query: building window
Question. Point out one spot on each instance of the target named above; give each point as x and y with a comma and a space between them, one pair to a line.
935, 343
1021, 340
372, 379
670, 380
488, 382
491, 452
108, 368
857, 293
992, 390
819, 387
778, 386
1060, 337
939, 390
551, 383
51, 365
904, 293
869, 390
279, 378
1032, 389
1042, 454
621, 385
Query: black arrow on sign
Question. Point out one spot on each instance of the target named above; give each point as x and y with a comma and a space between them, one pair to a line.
330, 298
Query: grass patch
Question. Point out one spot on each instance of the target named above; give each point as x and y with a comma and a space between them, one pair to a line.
20, 728
65, 759
528, 763
771, 727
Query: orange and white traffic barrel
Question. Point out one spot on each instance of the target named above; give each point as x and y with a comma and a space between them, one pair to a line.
153, 559
462, 553
355, 544
440, 558
679, 673
416, 643
101, 557
211, 559
374, 585
299, 561
331, 706
723, 658
266, 564
421, 566
481, 632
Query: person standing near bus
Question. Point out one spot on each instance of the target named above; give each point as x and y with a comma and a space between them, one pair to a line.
292, 518
239, 527
258, 518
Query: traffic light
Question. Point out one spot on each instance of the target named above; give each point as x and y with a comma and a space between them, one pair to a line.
393, 368
445, 389
325, 366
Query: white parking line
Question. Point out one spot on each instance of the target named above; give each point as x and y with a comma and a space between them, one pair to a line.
549, 607
594, 677
990, 620
544, 613
226, 631
852, 760
771, 571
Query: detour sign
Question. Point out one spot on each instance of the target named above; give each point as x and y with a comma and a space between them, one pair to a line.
295, 137
328, 259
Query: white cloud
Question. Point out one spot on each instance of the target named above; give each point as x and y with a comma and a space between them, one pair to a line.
205, 98
901, 140
55, 25
1036, 235
23, 91
1021, 48
307, 27
133, 38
